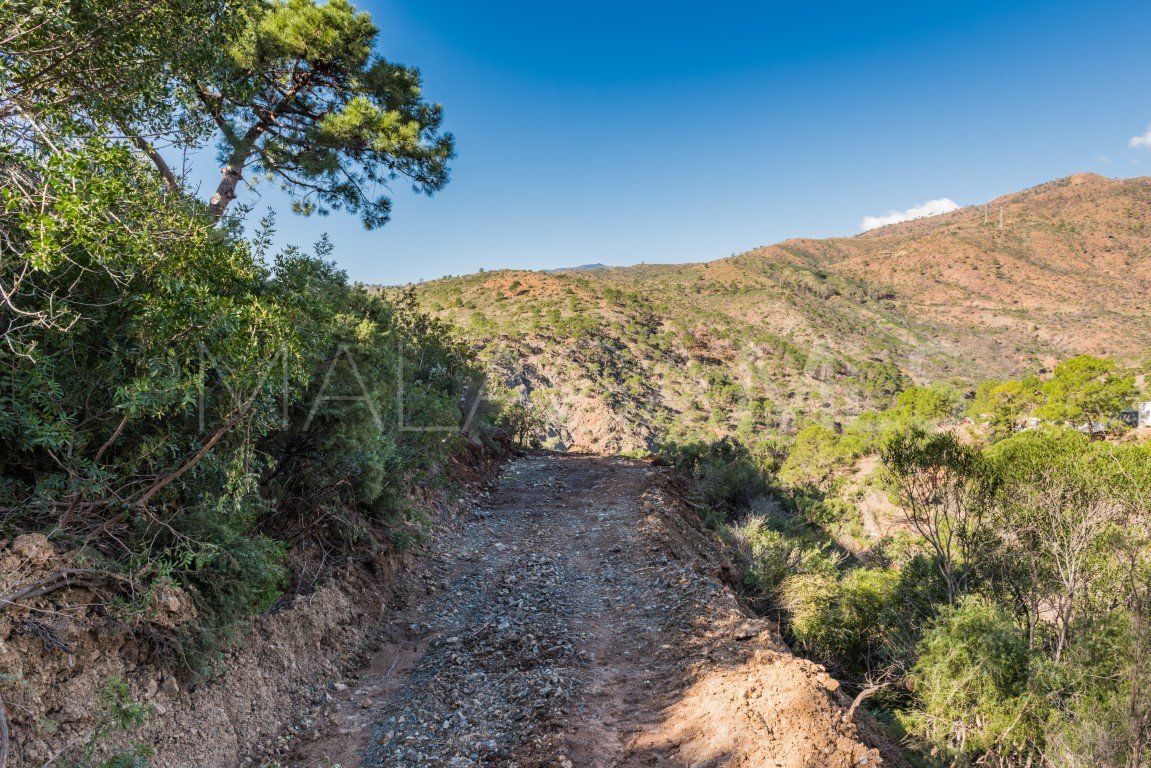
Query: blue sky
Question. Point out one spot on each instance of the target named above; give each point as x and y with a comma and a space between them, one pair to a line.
621, 132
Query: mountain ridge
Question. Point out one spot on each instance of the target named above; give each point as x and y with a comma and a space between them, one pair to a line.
811, 328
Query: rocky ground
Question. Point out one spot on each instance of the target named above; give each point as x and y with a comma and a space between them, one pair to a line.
582, 619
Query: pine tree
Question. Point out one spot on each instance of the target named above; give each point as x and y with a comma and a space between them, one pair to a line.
301, 98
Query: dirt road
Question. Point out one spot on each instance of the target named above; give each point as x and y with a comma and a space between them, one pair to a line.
580, 620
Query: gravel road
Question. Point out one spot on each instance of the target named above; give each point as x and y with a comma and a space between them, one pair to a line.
574, 622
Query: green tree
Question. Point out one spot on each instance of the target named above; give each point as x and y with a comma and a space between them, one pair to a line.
926, 404
1003, 402
843, 621
818, 451
946, 489
103, 64
292, 89
973, 686
1059, 517
1086, 387
141, 370
300, 97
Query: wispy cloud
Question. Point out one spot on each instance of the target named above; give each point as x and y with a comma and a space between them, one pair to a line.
1141, 141
930, 208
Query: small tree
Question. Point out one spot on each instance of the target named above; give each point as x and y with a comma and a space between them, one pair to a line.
1061, 514
946, 490
1086, 387
1003, 402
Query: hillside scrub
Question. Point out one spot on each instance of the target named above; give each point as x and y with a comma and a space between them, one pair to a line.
1005, 621
184, 411
807, 332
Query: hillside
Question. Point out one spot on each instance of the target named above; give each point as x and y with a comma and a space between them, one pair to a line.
618, 359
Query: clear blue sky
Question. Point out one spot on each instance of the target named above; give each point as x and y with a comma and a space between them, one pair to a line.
622, 132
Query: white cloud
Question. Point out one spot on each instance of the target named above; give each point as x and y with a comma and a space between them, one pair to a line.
1141, 141
930, 208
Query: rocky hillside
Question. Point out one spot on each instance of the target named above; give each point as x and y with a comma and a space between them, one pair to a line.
618, 359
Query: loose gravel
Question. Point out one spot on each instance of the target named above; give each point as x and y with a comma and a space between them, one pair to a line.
571, 622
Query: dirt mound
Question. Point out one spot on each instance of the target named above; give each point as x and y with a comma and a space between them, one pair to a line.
64, 661
767, 708
746, 700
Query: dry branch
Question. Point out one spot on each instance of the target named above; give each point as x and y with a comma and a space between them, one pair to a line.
70, 578
870, 690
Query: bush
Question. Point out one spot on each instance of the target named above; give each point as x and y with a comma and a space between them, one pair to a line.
842, 621
727, 473
973, 689
771, 556
142, 421
818, 451
926, 404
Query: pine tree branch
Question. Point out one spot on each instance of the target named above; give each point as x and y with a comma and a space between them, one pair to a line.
156, 158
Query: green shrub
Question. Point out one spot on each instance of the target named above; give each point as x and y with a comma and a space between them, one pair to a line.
772, 556
817, 452
727, 473
926, 404
973, 688
842, 621
142, 420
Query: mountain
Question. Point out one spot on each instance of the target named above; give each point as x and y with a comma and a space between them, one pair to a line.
580, 268
619, 359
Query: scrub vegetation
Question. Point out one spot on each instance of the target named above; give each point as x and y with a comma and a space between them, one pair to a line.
181, 407
995, 608
927, 483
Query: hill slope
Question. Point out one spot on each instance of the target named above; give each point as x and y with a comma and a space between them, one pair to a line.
619, 359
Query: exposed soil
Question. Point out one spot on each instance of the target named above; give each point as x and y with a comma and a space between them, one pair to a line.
60, 651
582, 619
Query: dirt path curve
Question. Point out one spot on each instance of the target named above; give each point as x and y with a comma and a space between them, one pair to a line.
579, 621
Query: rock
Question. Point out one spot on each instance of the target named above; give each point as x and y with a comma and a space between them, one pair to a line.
170, 687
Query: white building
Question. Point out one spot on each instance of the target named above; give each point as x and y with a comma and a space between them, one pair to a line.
1144, 415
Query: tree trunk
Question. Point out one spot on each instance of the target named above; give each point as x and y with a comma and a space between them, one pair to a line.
231, 173
230, 177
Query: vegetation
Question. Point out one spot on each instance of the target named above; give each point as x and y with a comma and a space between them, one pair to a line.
1003, 619
181, 407
1082, 390
765, 343
291, 90
899, 540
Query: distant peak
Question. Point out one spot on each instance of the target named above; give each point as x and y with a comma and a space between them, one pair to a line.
1086, 177
580, 268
